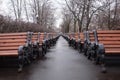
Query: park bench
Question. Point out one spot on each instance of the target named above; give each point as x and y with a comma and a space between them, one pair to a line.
15, 46
69, 38
108, 46
55, 37
91, 45
39, 44
65, 36
72, 41
52, 37
86, 42
82, 37
80, 42
48, 40
35, 42
76, 40
42, 43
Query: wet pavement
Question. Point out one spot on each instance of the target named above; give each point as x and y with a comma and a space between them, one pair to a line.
61, 63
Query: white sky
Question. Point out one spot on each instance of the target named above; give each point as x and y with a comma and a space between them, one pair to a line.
5, 9
58, 14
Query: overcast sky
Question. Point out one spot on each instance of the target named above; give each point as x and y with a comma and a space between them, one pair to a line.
5, 9
58, 5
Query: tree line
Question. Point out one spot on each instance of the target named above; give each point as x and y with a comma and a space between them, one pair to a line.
80, 15
28, 15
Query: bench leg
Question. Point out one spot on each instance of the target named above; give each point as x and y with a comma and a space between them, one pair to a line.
27, 60
43, 52
103, 70
20, 63
35, 54
89, 56
97, 60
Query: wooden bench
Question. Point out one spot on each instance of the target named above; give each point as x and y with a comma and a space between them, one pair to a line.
42, 42
12, 45
35, 37
111, 41
80, 42
65, 36
69, 38
74, 40
91, 45
86, 42
54, 38
51, 38
82, 37
35, 42
76, 36
48, 40
108, 46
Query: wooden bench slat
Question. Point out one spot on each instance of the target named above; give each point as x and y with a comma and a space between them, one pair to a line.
9, 48
12, 34
12, 41
11, 44
109, 46
112, 52
108, 35
110, 39
9, 53
108, 31
110, 42
13, 37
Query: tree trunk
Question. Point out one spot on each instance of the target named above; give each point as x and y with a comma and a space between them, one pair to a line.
80, 25
75, 25
109, 26
115, 14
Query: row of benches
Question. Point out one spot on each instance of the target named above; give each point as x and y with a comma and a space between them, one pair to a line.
101, 46
24, 47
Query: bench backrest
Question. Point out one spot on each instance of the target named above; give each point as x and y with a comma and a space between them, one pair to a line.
69, 35
76, 36
35, 37
110, 39
81, 35
54, 35
49, 36
91, 36
12, 40
42, 37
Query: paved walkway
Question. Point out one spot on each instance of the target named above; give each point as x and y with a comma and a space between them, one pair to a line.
61, 63
64, 63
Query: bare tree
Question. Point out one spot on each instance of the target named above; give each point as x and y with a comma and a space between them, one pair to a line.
85, 10
17, 8
77, 8
42, 12
67, 20
26, 10
109, 16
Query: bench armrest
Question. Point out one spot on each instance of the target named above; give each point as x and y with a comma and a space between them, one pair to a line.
100, 49
21, 50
